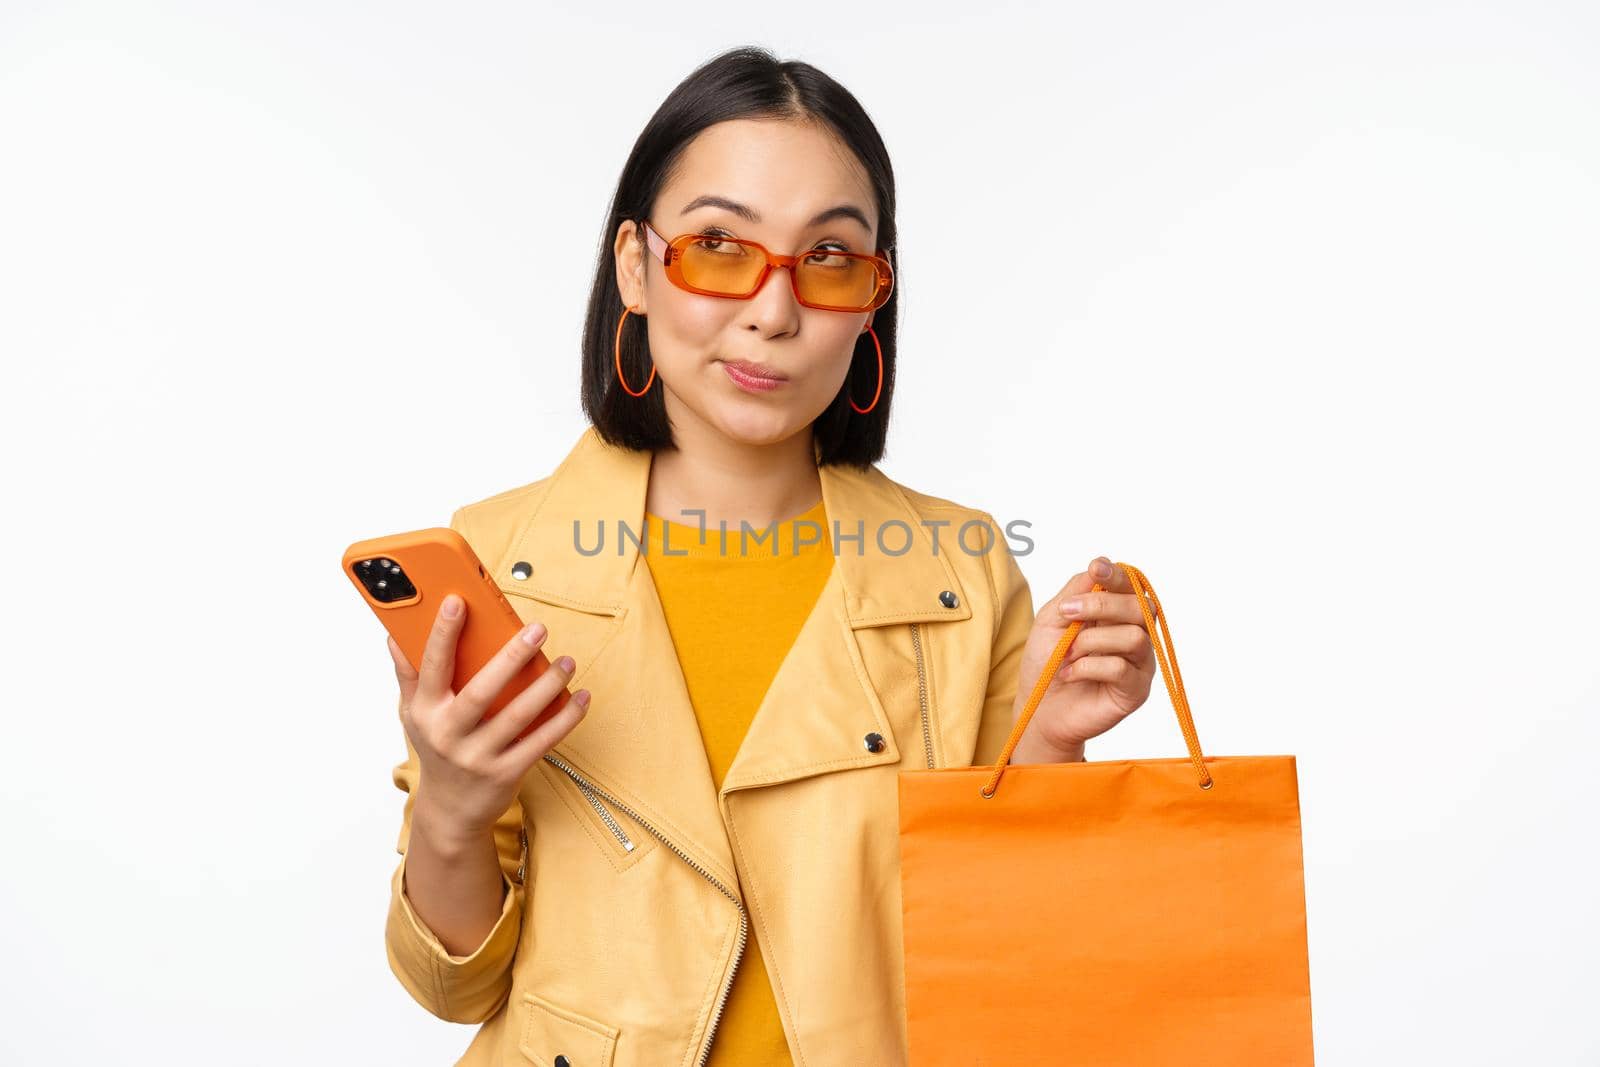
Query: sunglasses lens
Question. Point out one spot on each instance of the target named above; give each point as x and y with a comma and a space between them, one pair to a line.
725, 267
837, 281
731, 269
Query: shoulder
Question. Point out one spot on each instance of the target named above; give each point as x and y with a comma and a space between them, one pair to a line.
941, 508
491, 523
979, 548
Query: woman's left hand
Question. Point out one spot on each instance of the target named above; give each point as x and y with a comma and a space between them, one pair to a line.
1106, 673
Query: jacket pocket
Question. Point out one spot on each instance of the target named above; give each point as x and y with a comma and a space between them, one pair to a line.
554, 1036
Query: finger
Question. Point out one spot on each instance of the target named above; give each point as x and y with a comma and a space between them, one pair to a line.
1119, 581
480, 690
1086, 580
526, 706
404, 673
1100, 608
403, 670
1120, 639
1076, 585
439, 654
1106, 573
1113, 670
542, 738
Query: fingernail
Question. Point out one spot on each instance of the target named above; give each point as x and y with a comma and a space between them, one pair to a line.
533, 632
1071, 607
452, 606
582, 697
1102, 568
565, 663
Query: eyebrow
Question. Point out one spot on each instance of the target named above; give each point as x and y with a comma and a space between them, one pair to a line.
839, 211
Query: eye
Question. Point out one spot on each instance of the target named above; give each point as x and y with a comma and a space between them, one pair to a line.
710, 244
820, 256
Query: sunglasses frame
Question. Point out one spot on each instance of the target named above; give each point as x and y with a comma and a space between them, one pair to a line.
670, 255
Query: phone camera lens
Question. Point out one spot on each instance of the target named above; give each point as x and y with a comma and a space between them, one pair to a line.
386, 582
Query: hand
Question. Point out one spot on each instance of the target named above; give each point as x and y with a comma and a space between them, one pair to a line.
1106, 673
470, 768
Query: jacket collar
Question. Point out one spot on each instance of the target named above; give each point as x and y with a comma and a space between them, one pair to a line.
823, 700
598, 483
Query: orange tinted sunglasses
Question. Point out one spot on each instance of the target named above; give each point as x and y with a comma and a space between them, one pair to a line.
825, 278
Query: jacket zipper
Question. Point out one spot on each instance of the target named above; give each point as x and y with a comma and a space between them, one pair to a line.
616, 830
744, 918
922, 693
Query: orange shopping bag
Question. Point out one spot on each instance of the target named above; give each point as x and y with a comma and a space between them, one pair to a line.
1106, 914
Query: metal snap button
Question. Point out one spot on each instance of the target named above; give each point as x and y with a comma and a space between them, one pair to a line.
521, 570
561, 1061
874, 742
948, 599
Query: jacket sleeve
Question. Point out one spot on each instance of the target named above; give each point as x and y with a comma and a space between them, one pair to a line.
461, 989
1013, 613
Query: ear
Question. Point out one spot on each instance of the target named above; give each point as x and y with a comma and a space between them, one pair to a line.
629, 251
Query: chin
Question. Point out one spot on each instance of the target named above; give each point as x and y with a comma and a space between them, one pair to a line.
757, 427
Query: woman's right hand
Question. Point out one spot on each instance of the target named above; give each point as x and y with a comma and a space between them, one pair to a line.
470, 769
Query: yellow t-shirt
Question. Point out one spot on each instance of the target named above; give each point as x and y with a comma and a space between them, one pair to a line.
733, 613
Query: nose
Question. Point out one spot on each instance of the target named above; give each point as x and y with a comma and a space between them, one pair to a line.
784, 276
774, 307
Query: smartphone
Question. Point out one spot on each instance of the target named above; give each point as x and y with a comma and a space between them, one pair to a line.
404, 578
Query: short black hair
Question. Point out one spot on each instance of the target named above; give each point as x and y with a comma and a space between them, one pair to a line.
743, 82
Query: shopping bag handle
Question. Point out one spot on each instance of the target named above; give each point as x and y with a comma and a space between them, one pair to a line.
1150, 605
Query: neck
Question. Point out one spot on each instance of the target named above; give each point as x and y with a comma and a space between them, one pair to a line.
732, 481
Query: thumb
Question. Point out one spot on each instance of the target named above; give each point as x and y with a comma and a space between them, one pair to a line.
1080, 583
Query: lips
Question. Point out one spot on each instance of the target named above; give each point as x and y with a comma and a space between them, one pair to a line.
756, 370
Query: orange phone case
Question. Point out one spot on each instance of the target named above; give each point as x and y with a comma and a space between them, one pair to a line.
438, 561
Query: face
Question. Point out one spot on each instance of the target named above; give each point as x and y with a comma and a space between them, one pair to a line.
785, 173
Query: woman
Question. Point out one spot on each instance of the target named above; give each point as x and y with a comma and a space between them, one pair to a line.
703, 869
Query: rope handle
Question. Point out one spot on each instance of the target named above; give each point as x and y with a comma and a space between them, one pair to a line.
1150, 605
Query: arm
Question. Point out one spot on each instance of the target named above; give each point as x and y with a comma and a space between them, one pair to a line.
455, 903
458, 965
1007, 691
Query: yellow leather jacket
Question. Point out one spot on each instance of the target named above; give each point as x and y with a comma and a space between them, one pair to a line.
633, 885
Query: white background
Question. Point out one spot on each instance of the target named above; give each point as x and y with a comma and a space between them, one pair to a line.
1303, 323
